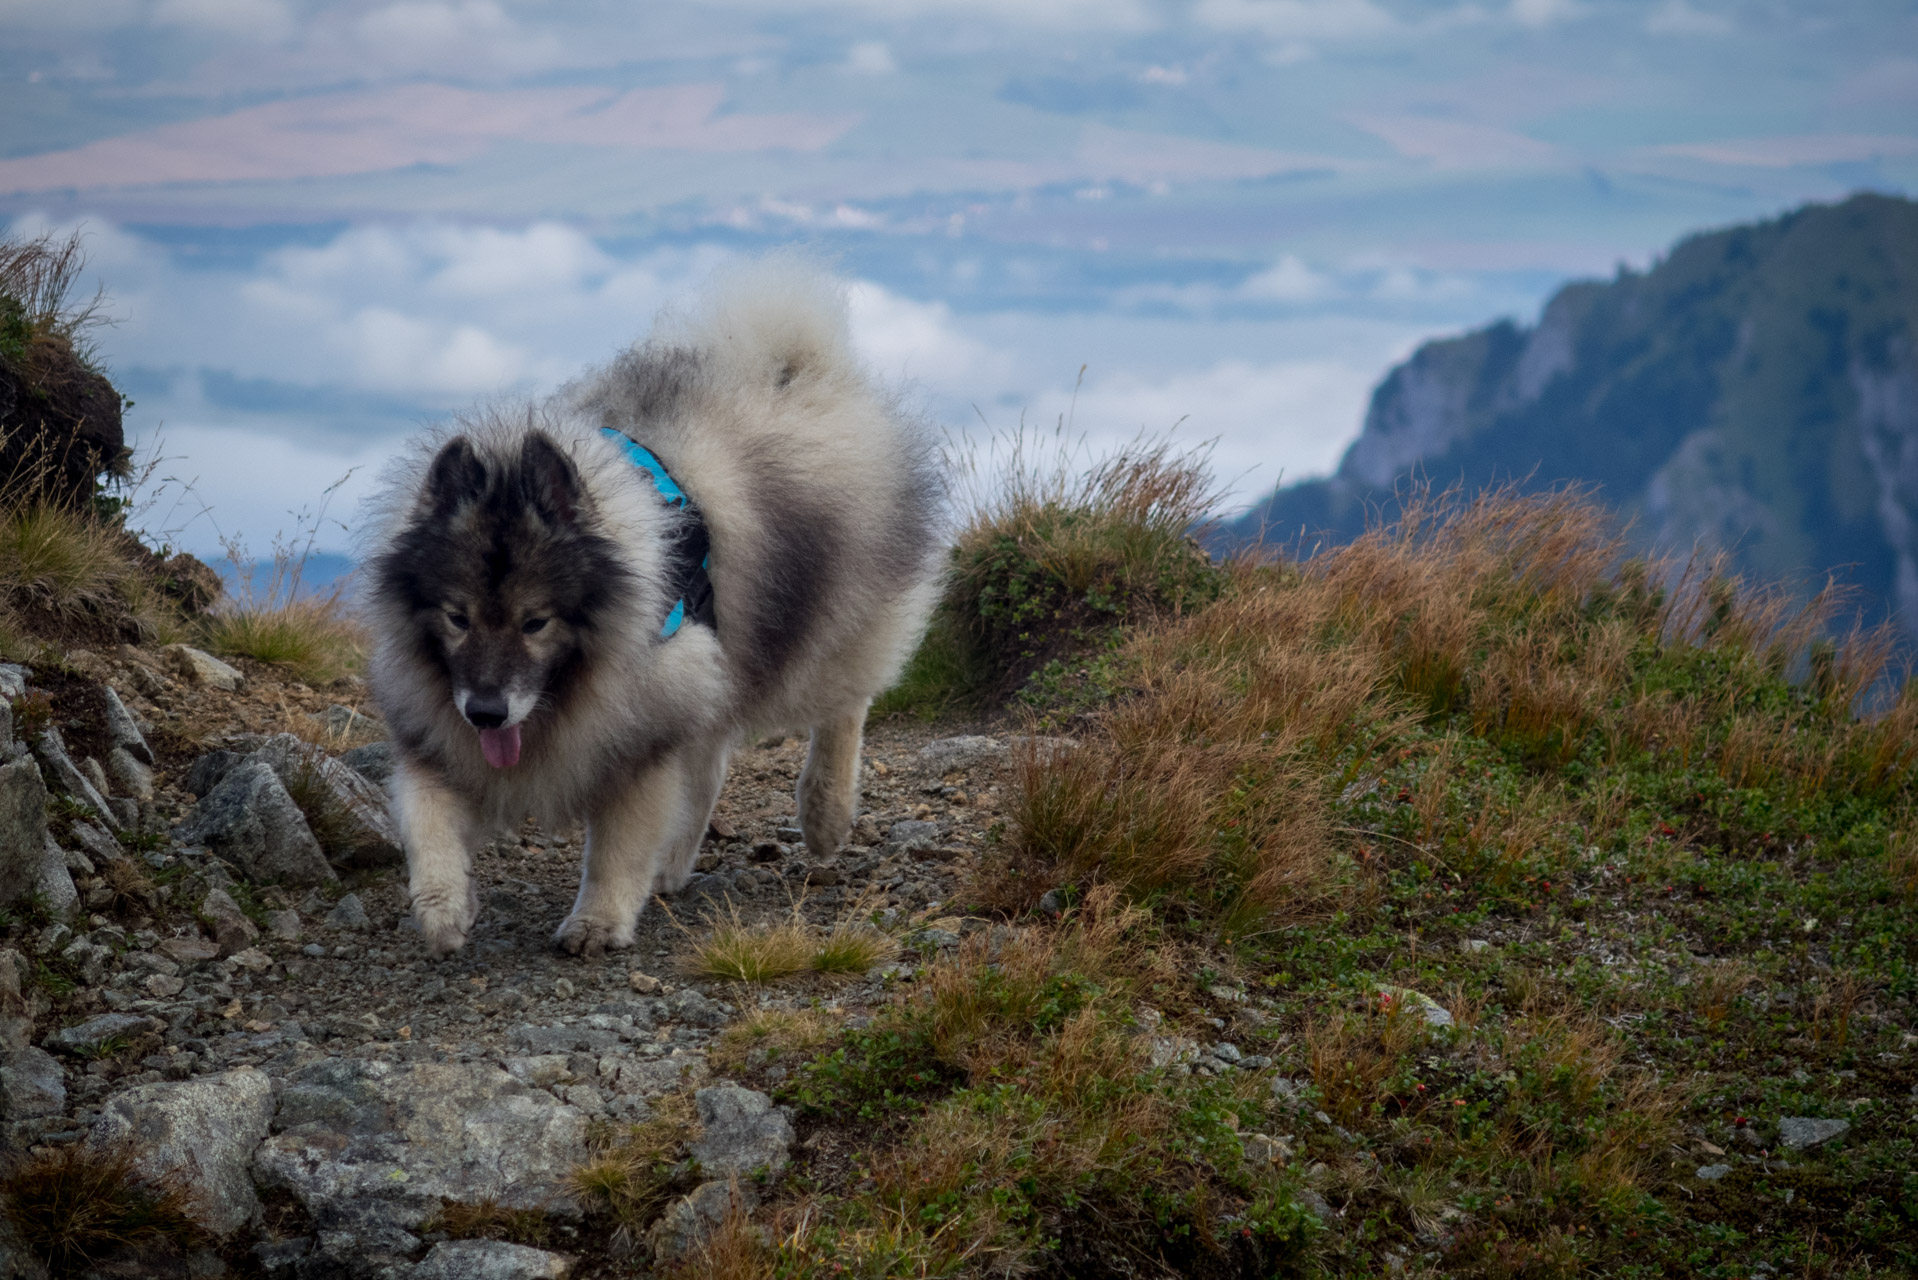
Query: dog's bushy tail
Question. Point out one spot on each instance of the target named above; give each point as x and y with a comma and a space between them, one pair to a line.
779, 320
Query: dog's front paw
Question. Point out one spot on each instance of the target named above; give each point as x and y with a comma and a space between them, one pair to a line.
592, 937
445, 918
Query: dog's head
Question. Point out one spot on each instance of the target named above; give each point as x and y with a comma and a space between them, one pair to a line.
505, 580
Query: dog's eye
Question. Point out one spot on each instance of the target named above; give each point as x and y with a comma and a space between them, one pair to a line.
459, 620
534, 624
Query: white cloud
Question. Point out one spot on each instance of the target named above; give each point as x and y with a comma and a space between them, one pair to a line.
456, 38
871, 58
1106, 15
1290, 418
1788, 152
1545, 13
905, 339
1299, 19
1677, 18
267, 21
1456, 144
1288, 280
61, 16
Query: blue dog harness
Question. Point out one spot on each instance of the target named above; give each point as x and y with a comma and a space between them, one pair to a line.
689, 557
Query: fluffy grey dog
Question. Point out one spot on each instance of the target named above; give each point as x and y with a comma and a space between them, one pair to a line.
581, 607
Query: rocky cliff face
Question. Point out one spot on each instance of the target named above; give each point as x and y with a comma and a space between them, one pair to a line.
1756, 392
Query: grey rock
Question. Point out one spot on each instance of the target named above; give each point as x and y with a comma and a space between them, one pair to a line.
1800, 1133
1431, 1011
370, 1149
955, 755
232, 930
691, 1007
130, 776
67, 776
907, 836
1289, 1090
122, 729
491, 1260
251, 821
689, 1220
54, 881
371, 836
31, 1085
284, 925
349, 913
1172, 1051
90, 958
202, 1132
651, 1077
205, 773
200, 668
1713, 1172
742, 1132
97, 842
374, 762
87, 1037
545, 1040
13, 680
23, 829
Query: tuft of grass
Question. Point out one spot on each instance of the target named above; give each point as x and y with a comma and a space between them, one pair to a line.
1056, 554
772, 1035
629, 1177
60, 560
490, 1220
74, 1206
769, 951
734, 1249
313, 638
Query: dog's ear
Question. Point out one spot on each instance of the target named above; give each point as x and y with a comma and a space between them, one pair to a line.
456, 477
551, 480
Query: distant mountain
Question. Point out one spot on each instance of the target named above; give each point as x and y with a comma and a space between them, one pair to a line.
1756, 391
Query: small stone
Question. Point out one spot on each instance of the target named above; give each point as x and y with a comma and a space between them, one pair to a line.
349, 913
164, 986
910, 835
490, 1260
955, 755
742, 1133
1288, 1090
1262, 1149
1227, 1053
284, 925
68, 776
253, 960
231, 928
1801, 1133
689, 1220
1408, 1000
201, 668
190, 951
1475, 945
13, 680
122, 729
31, 1085
205, 773
88, 1036
374, 762
644, 983
345, 722
720, 829
130, 776
1713, 1172
563, 988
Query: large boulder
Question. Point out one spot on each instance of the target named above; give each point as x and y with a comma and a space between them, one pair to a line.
491, 1260
202, 1133
31, 1085
368, 836
251, 821
370, 1149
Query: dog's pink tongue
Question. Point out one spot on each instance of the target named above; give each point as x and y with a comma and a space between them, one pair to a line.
500, 746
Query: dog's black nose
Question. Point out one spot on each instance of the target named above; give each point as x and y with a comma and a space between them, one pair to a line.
485, 711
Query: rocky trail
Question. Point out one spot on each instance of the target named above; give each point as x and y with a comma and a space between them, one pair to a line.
208, 963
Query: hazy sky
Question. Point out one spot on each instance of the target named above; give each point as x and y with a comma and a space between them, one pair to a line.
321, 224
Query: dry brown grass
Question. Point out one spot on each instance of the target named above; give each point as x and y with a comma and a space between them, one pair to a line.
1716, 986
74, 1206
772, 1035
735, 1249
768, 951
628, 1178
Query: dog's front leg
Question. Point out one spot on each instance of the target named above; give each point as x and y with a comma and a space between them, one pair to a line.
624, 840
829, 784
437, 827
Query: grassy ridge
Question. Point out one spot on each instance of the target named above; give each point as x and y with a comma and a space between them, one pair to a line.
1546, 879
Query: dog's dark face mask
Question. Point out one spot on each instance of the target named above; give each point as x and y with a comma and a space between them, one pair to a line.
506, 581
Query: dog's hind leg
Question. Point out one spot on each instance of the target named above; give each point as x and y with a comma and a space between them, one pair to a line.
625, 838
437, 827
829, 784
703, 773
